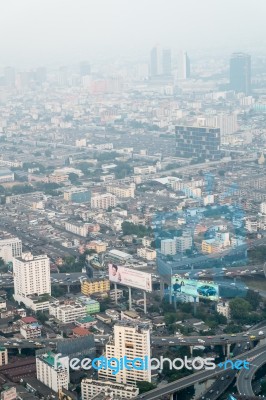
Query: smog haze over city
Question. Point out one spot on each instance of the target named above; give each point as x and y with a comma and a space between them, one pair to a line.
132, 200
51, 32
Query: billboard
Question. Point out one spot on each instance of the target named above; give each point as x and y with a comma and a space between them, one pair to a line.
194, 288
130, 277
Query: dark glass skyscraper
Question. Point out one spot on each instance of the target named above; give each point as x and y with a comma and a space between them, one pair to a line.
198, 142
240, 73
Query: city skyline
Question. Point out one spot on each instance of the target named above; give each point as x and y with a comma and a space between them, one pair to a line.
56, 34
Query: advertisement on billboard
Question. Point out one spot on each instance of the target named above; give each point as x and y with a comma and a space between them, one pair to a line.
130, 277
194, 288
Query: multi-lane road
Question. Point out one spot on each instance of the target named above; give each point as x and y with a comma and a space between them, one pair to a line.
251, 336
194, 378
244, 378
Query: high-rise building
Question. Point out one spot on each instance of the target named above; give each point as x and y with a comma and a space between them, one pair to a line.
160, 62
3, 356
168, 247
198, 142
53, 371
226, 122
240, 73
131, 340
167, 62
10, 246
31, 276
183, 67
155, 61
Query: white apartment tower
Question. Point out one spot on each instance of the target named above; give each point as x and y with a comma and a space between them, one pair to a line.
168, 247
131, 340
10, 246
53, 371
263, 208
103, 201
3, 356
31, 276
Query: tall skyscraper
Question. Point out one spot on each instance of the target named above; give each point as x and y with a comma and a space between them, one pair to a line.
240, 73
183, 67
31, 276
131, 340
167, 62
155, 61
160, 62
198, 142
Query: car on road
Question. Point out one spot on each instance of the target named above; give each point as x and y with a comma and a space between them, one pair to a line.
261, 333
206, 291
171, 342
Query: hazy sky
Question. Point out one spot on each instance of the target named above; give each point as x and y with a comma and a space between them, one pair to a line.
66, 31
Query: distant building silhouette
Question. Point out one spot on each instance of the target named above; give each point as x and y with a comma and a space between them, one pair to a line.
183, 67
160, 62
240, 73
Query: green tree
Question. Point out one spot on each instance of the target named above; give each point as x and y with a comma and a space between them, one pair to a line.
239, 308
41, 317
145, 386
263, 387
57, 291
74, 178
253, 298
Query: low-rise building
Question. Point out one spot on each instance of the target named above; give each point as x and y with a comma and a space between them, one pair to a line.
91, 388
146, 253
77, 195
97, 245
92, 306
113, 314
103, 201
90, 286
31, 330
86, 322
223, 308
119, 294
6, 175
78, 228
67, 313
122, 191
